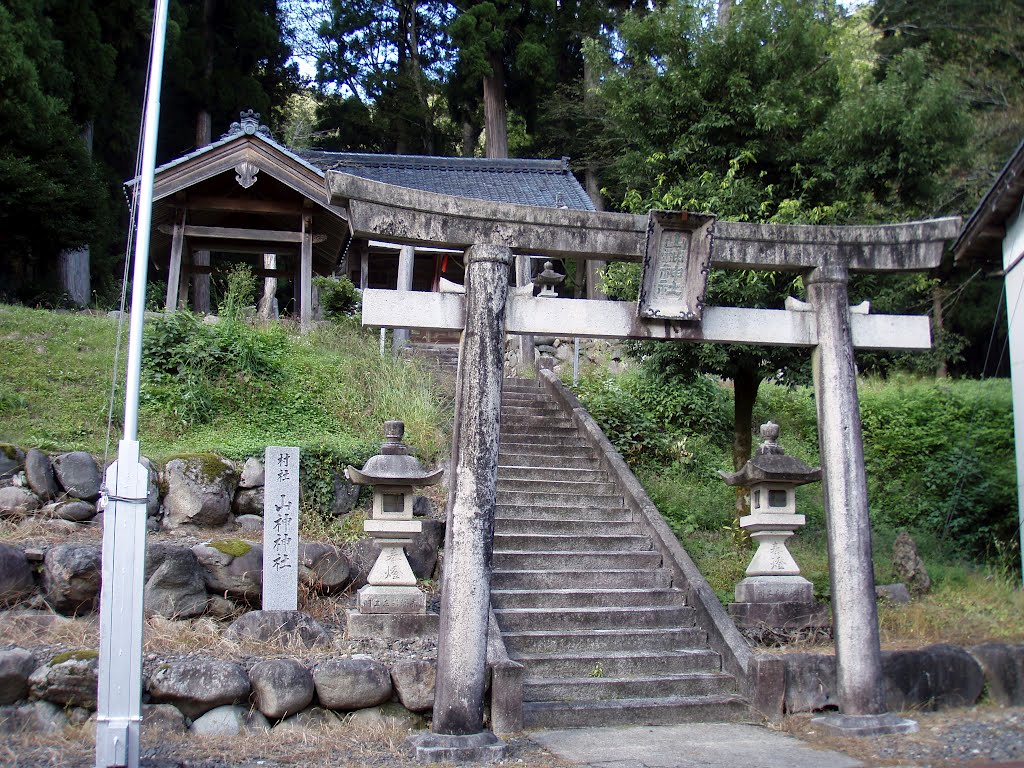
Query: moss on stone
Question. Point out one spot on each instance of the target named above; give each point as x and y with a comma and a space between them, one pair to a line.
233, 547
211, 466
10, 451
82, 654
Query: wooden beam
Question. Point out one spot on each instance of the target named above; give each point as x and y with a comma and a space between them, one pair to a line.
240, 233
306, 275
618, 319
257, 271
174, 268
412, 216
243, 205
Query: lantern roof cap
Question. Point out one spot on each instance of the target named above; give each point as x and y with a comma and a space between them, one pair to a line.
394, 465
771, 464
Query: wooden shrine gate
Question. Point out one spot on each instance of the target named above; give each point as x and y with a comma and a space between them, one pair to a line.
678, 250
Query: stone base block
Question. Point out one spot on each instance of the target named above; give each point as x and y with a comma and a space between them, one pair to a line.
775, 589
383, 599
780, 615
482, 747
866, 725
393, 626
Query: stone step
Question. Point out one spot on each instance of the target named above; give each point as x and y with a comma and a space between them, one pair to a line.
650, 686
657, 578
518, 619
533, 423
528, 386
578, 487
554, 444
578, 526
527, 499
558, 429
511, 411
627, 663
639, 640
591, 514
520, 561
557, 474
585, 598
568, 542
534, 397
508, 457
718, 708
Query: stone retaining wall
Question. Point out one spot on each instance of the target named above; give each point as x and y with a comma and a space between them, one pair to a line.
929, 678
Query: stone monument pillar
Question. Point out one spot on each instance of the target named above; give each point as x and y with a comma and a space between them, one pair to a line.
458, 732
774, 593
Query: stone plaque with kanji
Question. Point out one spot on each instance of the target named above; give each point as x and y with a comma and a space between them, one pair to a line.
676, 262
281, 529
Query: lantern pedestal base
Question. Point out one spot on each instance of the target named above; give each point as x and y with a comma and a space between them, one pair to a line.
783, 602
392, 626
477, 748
388, 599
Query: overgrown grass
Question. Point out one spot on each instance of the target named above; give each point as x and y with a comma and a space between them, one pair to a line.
327, 393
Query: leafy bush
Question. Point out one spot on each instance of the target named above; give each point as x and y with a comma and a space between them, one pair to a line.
240, 293
338, 297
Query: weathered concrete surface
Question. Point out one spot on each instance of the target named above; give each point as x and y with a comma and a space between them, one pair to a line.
618, 319
408, 215
854, 611
465, 595
703, 745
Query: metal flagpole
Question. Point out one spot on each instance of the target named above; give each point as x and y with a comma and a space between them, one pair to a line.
119, 704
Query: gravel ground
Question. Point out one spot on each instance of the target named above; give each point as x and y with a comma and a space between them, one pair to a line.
952, 738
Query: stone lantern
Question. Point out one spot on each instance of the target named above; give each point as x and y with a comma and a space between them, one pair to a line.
774, 592
547, 280
394, 474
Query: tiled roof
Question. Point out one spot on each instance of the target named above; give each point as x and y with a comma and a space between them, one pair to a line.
547, 183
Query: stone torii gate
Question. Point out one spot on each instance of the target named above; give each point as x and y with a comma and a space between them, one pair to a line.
677, 250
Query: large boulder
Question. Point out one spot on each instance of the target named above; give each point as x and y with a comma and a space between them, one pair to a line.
323, 567
37, 717
68, 680
390, 716
17, 502
248, 501
346, 494
152, 487
198, 684
40, 476
12, 459
281, 687
1003, 665
935, 677
15, 575
229, 721
73, 510
175, 586
199, 491
286, 629
162, 719
413, 680
352, 683
253, 474
312, 720
78, 474
71, 577
16, 664
232, 567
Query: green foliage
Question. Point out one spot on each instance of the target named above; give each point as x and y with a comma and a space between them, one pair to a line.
191, 369
232, 547
338, 297
240, 293
81, 654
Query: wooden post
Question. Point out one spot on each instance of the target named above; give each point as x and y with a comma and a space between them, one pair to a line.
364, 268
201, 283
174, 269
267, 308
406, 260
306, 275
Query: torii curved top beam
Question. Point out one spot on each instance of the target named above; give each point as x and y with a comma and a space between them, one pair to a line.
409, 215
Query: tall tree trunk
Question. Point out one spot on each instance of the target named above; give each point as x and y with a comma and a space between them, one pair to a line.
417, 76
495, 117
470, 136
724, 12
73, 264
938, 296
594, 268
745, 383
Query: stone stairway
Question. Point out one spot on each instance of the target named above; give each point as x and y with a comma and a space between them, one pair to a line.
581, 596
442, 356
